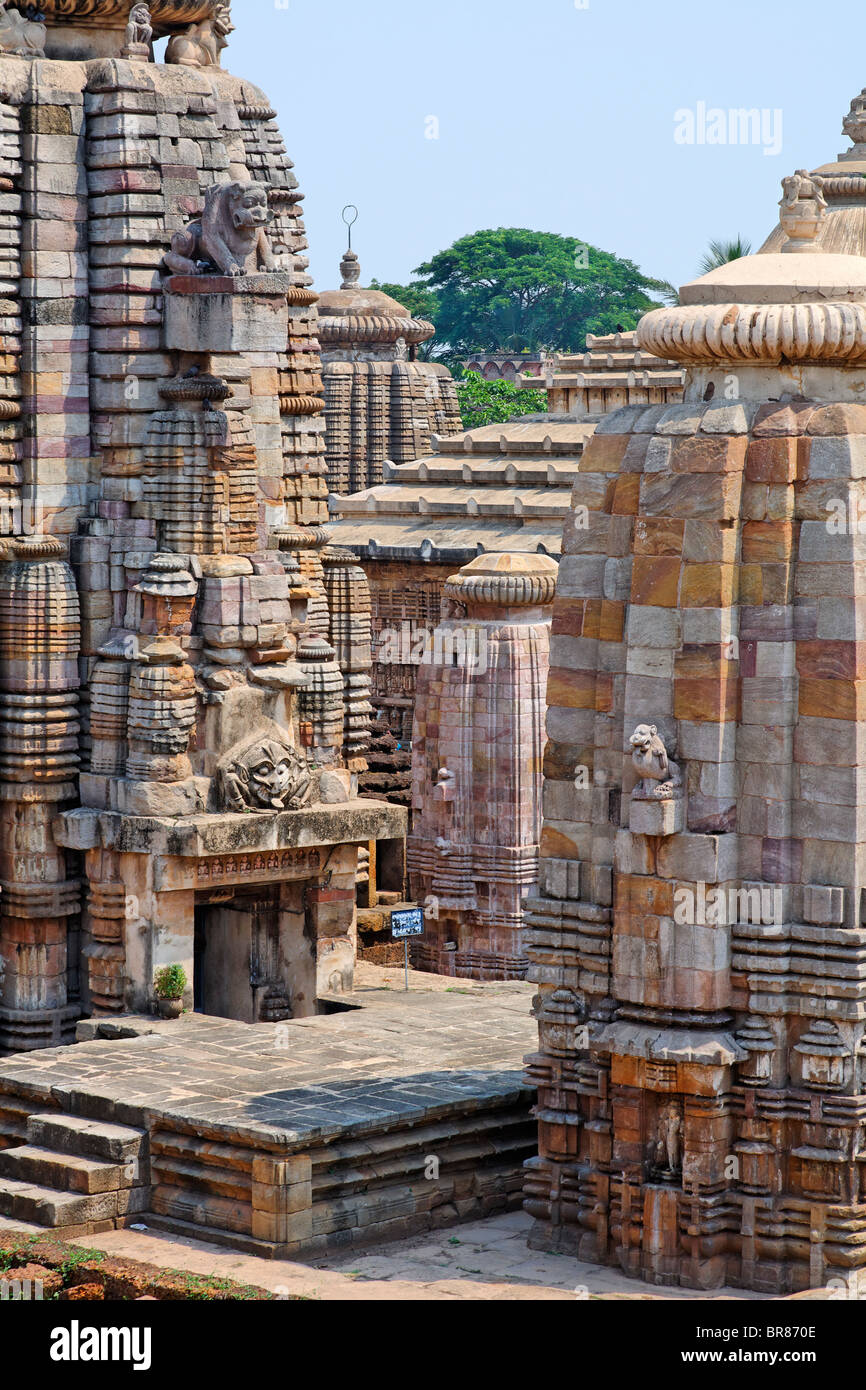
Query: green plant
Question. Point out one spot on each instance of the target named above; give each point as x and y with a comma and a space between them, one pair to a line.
169, 982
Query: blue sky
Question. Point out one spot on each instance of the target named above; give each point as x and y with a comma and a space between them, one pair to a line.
550, 116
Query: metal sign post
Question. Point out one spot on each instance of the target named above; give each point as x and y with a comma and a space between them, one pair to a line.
406, 922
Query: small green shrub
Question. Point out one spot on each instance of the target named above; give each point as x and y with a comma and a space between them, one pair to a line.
170, 982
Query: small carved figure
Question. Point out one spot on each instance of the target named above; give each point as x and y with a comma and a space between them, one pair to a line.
23, 35
660, 777
229, 238
803, 206
800, 186
669, 1140
201, 45
266, 775
139, 33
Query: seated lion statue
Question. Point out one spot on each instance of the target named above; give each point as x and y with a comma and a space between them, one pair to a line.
660, 777
229, 238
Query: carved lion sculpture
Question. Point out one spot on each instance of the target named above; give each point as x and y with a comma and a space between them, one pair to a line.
265, 775
230, 235
200, 45
659, 776
22, 36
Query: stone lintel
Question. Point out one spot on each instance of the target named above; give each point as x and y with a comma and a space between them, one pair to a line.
353, 822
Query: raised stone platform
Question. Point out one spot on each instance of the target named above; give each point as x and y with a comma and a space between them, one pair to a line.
402, 1114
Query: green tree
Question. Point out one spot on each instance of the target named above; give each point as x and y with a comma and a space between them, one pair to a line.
492, 402
720, 252
514, 290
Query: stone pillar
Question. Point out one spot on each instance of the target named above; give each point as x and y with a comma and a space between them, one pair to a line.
39, 641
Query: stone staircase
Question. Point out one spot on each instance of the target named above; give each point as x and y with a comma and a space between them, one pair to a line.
75, 1175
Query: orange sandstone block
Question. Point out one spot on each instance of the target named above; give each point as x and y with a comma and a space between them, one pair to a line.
833, 699
658, 535
568, 615
706, 700
832, 660
604, 692
604, 453
626, 495
767, 541
655, 580
611, 627
707, 586
772, 460
653, 895
709, 453
571, 689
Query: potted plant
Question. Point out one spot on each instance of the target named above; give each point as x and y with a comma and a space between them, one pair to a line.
169, 984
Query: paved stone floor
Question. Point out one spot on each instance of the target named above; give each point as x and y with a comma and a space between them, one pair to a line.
485, 1260
402, 1054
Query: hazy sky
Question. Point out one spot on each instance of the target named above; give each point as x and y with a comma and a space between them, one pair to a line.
551, 115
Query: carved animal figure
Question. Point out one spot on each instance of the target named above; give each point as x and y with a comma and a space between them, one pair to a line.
659, 776
230, 237
802, 186
201, 44
24, 37
139, 30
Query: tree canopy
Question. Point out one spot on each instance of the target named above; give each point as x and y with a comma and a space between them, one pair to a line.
514, 290
491, 402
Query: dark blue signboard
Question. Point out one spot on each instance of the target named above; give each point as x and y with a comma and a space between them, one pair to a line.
407, 922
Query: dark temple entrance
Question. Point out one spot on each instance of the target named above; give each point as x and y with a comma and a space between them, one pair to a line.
254, 959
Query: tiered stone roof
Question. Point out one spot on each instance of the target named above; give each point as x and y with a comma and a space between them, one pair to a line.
613, 372
499, 487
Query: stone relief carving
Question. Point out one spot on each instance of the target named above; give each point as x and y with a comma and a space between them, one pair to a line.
23, 35
201, 45
139, 33
229, 238
669, 1139
660, 777
264, 775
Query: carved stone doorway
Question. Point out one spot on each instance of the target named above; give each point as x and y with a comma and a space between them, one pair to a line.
254, 959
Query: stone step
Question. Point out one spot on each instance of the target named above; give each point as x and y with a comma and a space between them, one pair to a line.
71, 1134
15, 1111
29, 1202
66, 1172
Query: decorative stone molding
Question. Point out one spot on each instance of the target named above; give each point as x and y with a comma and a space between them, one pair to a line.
762, 333
507, 580
264, 774
373, 328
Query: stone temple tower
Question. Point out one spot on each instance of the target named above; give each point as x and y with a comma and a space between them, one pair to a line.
183, 667
699, 940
